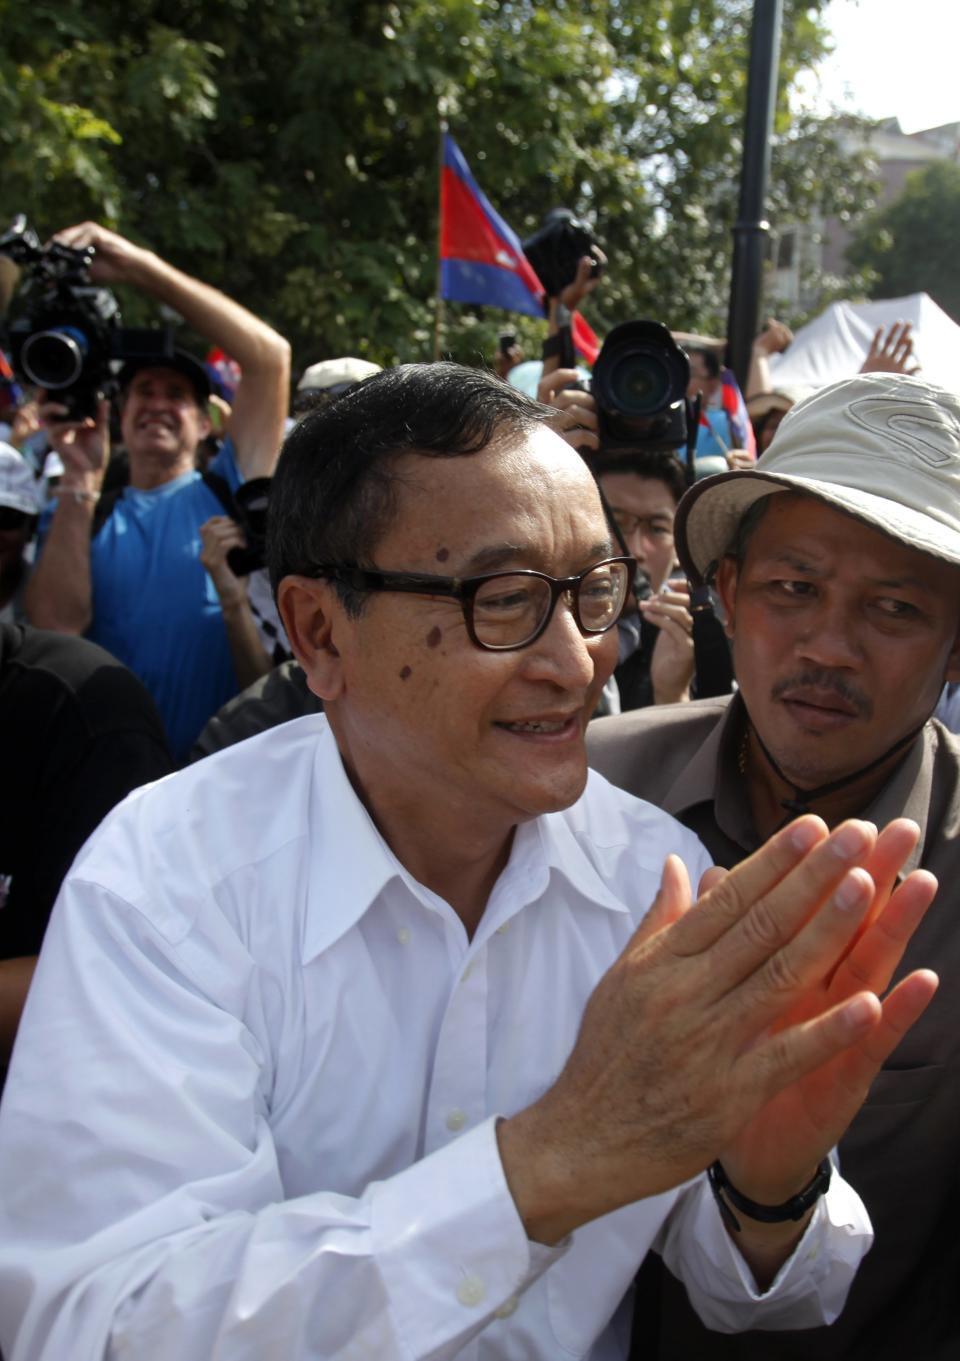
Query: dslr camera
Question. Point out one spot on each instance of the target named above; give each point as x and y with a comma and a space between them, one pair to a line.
558, 247
64, 331
640, 381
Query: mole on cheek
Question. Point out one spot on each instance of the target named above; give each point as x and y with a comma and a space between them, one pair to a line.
434, 636
443, 554
406, 673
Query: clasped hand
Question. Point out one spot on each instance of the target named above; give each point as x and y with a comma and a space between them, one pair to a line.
748, 1027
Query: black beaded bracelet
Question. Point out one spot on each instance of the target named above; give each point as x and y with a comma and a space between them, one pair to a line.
794, 1208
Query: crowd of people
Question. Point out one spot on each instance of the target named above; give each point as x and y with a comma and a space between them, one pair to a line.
383, 1026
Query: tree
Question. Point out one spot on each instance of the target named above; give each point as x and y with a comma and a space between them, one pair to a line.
288, 152
911, 243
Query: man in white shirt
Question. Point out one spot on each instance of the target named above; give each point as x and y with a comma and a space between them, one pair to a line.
345, 1043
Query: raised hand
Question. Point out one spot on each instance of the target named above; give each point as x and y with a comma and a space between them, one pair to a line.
891, 351
116, 258
83, 446
671, 667
709, 1033
817, 1109
218, 536
576, 420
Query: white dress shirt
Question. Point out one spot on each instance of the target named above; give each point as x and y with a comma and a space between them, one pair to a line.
251, 1111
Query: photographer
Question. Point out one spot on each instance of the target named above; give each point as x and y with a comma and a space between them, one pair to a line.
642, 488
132, 579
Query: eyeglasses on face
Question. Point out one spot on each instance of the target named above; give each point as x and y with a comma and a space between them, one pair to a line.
650, 526
504, 611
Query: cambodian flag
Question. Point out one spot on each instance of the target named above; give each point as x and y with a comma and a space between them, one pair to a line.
481, 258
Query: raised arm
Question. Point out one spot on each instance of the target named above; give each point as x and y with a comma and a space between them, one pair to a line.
260, 402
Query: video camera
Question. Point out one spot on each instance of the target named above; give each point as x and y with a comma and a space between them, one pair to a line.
66, 331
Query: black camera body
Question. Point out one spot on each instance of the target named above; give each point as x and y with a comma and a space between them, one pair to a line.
640, 383
249, 509
558, 247
65, 331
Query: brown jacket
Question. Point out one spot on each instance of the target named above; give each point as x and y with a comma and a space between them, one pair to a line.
902, 1152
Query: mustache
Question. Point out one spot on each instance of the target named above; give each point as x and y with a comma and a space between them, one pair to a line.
823, 680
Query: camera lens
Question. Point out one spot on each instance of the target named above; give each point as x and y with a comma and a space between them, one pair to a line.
53, 359
639, 383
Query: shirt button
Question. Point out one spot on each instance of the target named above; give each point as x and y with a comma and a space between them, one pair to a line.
507, 1308
502, 930
471, 1290
468, 971
403, 935
455, 1122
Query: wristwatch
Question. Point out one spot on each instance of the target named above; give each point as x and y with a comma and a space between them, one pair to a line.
794, 1208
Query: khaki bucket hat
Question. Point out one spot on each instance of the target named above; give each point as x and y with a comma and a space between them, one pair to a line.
883, 447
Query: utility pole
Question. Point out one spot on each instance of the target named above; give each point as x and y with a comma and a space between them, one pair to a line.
751, 232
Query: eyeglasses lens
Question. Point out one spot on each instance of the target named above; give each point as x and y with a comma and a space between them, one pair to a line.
509, 610
601, 596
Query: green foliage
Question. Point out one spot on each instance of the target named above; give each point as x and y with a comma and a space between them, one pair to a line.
911, 244
288, 151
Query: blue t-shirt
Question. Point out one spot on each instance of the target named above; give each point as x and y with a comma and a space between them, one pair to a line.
154, 605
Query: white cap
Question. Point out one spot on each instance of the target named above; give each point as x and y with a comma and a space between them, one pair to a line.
18, 486
335, 373
882, 446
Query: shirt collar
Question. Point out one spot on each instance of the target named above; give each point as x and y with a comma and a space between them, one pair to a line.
907, 793
351, 864
702, 778
564, 853
712, 775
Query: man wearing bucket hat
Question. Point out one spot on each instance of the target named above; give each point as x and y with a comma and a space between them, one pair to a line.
837, 562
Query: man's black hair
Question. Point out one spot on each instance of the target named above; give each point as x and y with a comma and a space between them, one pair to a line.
333, 495
660, 465
711, 360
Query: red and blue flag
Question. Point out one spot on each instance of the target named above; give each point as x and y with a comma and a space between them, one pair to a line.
481, 258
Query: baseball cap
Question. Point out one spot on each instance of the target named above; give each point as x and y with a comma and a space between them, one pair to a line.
883, 447
181, 361
338, 374
18, 486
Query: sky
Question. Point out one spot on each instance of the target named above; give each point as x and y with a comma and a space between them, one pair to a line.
893, 58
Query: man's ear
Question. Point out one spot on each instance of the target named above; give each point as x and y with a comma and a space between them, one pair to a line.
310, 610
725, 585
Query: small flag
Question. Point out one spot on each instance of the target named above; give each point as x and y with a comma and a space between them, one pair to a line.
481, 258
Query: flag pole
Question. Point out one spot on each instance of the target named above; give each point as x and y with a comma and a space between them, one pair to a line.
438, 301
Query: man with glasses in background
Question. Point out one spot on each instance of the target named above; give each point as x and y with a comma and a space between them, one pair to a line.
359, 1039
642, 488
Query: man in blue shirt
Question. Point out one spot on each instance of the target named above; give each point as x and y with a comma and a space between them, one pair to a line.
136, 585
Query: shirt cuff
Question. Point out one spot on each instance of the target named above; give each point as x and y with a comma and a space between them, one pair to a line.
810, 1288
452, 1248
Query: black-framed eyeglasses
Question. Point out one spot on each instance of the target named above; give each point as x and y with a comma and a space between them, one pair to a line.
650, 526
504, 611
